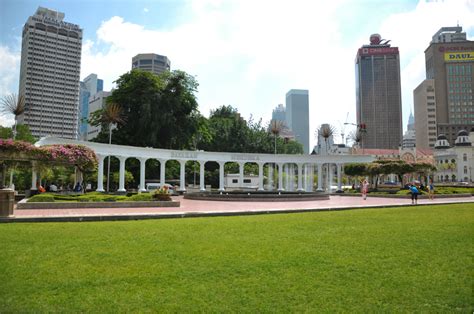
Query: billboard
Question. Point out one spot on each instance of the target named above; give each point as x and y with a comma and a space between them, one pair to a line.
459, 56
378, 50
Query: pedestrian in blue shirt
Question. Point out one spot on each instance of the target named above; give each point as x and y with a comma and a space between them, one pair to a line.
414, 194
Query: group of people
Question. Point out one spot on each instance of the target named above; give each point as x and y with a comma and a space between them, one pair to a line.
415, 190
54, 188
413, 187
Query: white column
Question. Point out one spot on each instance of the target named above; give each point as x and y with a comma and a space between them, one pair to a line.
34, 176
182, 168
339, 175
287, 179
331, 175
241, 174
300, 177
292, 177
142, 173
260, 176
162, 171
202, 185
320, 177
221, 176
122, 174
100, 174
280, 177
305, 178
270, 177
310, 178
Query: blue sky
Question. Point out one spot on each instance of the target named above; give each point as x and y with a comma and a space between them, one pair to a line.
246, 53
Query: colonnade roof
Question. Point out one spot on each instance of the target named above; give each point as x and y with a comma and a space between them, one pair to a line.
103, 150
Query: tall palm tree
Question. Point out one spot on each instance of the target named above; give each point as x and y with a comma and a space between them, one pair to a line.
15, 105
111, 114
326, 131
356, 136
276, 126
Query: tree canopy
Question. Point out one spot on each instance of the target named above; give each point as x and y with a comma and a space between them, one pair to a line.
159, 110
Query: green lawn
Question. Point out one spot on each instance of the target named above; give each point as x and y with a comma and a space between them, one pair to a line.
404, 259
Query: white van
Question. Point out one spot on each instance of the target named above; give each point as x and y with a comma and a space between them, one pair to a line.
150, 187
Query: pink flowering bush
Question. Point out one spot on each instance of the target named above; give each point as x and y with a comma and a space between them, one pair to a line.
81, 156
11, 146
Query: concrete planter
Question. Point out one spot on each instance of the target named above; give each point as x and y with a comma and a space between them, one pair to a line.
63, 205
7, 201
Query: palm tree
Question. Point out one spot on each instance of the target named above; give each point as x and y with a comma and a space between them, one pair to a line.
15, 105
110, 115
276, 126
356, 136
326, 131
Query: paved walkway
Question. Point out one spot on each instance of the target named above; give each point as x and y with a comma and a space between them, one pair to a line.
192, 208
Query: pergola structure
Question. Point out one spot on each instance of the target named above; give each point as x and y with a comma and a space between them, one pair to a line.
304, 163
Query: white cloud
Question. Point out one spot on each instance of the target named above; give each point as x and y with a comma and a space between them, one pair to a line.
146, 10
9, 76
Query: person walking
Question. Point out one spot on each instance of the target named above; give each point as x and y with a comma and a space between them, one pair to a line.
365, 189
431, 190
414, 194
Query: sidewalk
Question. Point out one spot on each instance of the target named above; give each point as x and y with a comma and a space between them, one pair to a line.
194, 208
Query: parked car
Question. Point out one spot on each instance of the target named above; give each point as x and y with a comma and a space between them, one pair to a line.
151, 187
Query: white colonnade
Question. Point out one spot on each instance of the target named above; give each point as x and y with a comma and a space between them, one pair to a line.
303, 166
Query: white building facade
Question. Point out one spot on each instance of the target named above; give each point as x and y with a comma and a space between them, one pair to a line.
454, 163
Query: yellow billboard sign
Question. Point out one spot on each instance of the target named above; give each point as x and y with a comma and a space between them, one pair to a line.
459, 56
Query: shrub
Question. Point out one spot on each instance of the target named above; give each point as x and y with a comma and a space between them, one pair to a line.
140, 197
41, 198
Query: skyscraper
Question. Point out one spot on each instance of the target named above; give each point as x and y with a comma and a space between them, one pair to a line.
49, 75
450, 63
279, 113
297, 116
151, 62
378, 94
424, 102
89, 87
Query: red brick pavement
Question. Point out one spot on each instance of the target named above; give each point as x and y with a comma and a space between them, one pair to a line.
215, 207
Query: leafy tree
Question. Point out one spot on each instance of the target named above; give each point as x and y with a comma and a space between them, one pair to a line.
160, 111
355, 169
23, 133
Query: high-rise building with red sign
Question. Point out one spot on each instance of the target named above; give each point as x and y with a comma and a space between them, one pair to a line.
450, 63
378, 94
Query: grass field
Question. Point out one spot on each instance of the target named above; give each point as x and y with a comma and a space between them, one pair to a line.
403, 259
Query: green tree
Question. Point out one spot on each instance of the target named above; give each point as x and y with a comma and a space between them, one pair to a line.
160, 111
23, 133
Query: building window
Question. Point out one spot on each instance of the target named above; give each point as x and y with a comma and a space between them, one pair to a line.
464, 157
247, 181
235, 181
465, 169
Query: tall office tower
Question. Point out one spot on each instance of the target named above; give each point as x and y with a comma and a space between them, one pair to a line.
409, 138
424, 101
297, 116
96, 102
89, 87
378, 94
49, 75
151, 62
279, 113
449, 62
